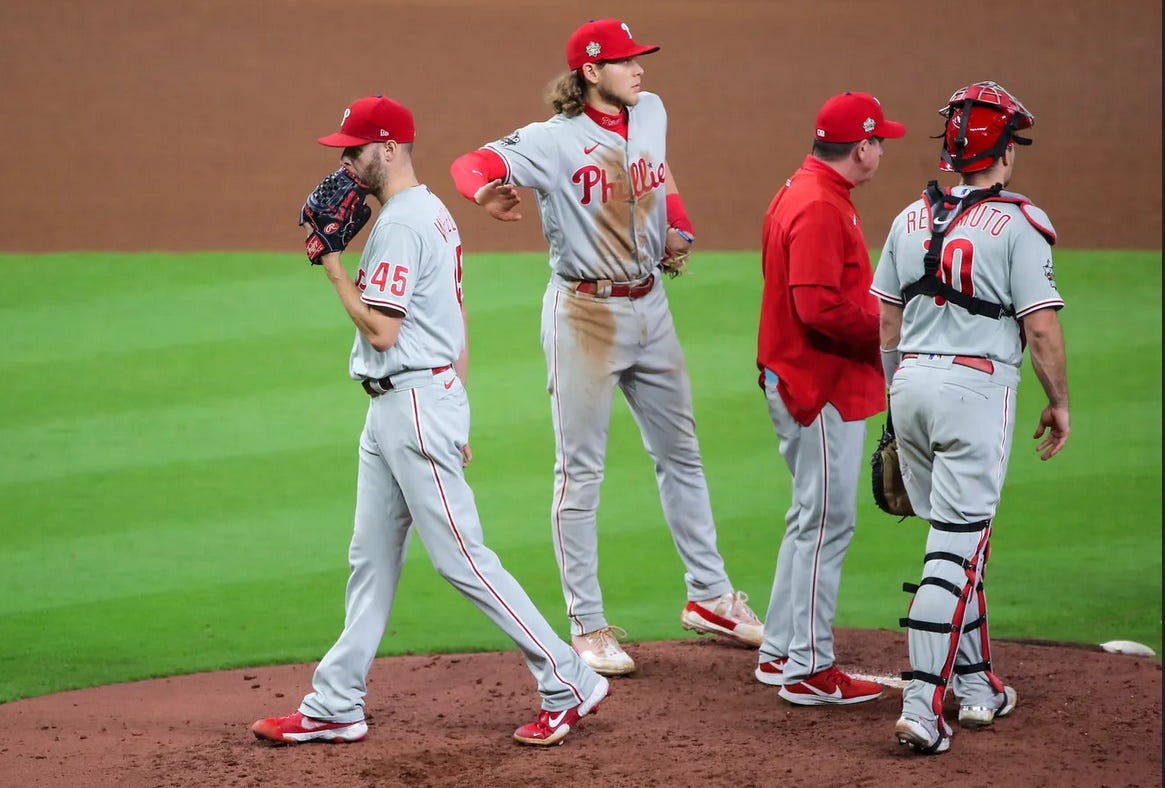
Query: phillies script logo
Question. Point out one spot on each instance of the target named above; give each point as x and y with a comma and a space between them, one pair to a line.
644, 178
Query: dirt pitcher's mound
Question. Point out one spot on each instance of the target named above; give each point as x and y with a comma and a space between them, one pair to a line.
692, 715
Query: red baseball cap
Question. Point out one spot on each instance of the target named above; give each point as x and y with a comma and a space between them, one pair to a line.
854, 116
372, 119
603, 39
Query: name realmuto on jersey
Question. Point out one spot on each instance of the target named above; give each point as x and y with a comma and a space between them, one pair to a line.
982, 217
645, 177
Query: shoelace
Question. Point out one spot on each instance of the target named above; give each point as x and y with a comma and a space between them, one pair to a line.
839, 678
607, 639
739, 609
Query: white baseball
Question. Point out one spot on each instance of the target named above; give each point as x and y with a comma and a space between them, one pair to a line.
1131, 647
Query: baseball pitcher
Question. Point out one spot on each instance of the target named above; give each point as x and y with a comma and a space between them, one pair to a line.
409, 355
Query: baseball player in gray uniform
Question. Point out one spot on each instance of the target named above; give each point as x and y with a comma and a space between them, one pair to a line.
409, 355
611, 213
964, 280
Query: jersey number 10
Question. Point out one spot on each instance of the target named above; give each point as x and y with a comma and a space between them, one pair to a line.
955, 268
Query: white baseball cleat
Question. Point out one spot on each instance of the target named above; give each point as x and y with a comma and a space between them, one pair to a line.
982, 716
923, 736
728, 615
601, 652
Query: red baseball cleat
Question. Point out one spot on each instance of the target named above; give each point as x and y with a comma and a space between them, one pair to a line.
772, 672
295, 728
551, 727
828, 687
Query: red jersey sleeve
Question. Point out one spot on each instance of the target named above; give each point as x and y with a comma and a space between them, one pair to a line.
827, 311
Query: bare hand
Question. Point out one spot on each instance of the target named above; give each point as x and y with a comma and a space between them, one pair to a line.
466, 455
499, 200
1055, 421
676, 243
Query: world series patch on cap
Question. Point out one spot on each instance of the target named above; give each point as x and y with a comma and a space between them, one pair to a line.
854, 116
603, 39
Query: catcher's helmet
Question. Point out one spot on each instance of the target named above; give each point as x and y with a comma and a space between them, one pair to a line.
981, 122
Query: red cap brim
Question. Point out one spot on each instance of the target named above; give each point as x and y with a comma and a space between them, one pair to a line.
341, 140
645, 49
891, 130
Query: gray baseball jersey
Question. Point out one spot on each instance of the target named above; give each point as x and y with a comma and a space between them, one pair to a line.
412, 263
604, 214
600, 196
997, 251
410, 469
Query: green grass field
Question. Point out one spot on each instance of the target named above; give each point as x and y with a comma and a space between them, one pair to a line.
177, 471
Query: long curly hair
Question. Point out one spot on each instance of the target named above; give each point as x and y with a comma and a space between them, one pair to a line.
567, 93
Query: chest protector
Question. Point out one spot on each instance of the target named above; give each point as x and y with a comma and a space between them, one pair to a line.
945, 210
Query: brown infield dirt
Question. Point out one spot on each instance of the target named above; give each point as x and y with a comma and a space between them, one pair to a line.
136, 125
692, 715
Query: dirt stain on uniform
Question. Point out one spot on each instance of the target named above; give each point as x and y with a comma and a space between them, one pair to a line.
591, 323
613, 222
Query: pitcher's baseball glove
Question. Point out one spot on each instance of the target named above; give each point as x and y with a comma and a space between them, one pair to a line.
889, 489
336, 212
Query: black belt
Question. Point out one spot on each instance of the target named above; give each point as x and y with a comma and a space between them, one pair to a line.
974, 362
605, 288
385, 384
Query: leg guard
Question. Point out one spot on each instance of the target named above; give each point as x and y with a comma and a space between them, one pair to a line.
951, 578
973, 675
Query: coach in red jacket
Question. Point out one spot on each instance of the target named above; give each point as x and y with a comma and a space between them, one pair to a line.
821, 373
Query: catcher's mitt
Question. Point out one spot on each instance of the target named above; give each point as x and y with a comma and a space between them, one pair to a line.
335, 211
886, 475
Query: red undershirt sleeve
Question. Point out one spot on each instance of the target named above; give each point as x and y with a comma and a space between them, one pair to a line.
677, 217
475, 169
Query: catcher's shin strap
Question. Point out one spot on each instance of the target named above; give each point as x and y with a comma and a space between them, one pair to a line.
912, 588
921, 675
945, 209
605, 288
925, 626
377, 386
974, 362
959, 528
974, 667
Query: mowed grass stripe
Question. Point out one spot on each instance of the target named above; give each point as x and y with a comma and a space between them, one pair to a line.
244, 490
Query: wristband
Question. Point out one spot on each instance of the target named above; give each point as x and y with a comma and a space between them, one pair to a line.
685, 236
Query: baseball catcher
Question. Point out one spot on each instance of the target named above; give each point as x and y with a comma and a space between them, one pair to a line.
889, 489
960, 297
336, 212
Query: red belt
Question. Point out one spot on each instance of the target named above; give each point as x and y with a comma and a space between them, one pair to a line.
605, 288
974, 362
386, 383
